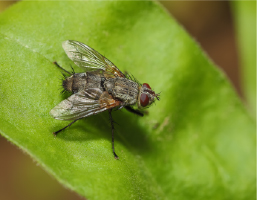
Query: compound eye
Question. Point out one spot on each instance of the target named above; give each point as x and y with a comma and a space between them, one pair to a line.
144, 100
146, 85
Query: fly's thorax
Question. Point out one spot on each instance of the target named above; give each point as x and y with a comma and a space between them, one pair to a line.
123, 89
146, 96
75, 82
109, 85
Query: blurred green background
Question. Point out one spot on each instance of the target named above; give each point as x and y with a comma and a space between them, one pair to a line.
215, 25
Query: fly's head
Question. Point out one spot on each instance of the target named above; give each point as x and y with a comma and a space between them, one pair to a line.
146, 96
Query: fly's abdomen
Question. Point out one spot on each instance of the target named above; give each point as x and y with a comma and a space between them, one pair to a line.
75, 83
82, 81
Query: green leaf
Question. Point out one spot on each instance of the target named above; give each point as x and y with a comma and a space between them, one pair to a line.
198, 141
245, 21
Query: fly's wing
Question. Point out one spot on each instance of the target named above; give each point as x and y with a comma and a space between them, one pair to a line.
83, 104
86, 57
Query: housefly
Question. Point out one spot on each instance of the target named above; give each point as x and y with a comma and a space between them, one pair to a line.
101, 87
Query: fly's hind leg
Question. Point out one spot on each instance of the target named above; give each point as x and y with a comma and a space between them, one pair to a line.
63, 68
110, 115
55, 133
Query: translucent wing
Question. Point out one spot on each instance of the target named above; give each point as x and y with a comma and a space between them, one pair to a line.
86, 57
83, 104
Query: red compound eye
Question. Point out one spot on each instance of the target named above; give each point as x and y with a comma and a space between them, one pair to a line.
146, 85
144, 99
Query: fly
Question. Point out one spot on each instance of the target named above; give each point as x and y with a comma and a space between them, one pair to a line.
101, 87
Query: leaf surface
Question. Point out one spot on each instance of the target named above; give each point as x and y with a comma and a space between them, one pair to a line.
197, 142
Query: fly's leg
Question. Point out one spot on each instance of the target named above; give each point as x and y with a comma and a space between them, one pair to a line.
110, 115
137, 112
62, 68
55, 133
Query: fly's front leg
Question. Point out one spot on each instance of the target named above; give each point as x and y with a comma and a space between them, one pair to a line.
55, 133
137, 112
110, 115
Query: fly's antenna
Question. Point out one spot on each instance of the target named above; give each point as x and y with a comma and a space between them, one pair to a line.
158, 96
